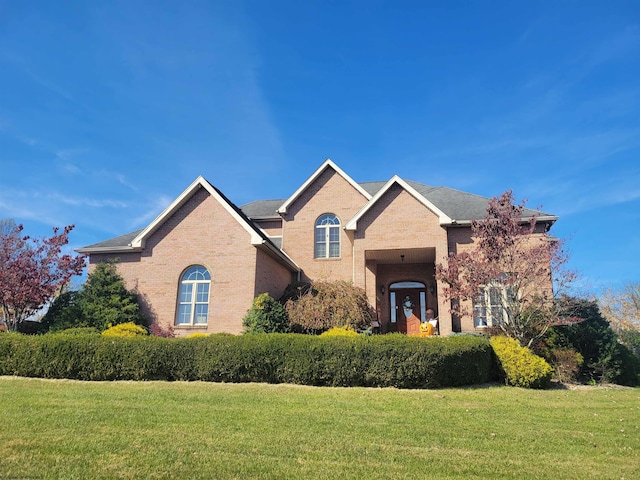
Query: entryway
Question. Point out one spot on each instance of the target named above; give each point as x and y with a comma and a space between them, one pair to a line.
408, 306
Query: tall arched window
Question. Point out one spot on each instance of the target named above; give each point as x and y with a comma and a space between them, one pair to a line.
193, 299
327, 237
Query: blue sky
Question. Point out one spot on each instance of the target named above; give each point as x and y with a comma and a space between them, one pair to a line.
108, 110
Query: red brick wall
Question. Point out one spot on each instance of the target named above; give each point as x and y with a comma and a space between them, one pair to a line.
271, 276
201, 232
329, 193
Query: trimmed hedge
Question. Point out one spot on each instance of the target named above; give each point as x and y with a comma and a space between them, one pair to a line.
519, 366
371, 361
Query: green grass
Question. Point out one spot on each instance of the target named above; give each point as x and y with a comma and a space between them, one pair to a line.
70, 429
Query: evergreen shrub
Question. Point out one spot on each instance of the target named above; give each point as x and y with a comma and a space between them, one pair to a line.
519, 366
266, 315
370, 361
80, 331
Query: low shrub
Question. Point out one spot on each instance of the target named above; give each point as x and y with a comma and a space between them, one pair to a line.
128, 329
519, 366
266, 315
80, 331
370, 361
566, 364
157, 330
339, 332
197, 335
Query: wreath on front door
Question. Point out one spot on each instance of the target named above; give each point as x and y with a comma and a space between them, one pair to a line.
407, 303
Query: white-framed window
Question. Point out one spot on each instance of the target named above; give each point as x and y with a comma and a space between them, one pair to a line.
327, 237
193, 297
489, 306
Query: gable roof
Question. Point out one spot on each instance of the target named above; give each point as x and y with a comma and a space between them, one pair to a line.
328, 163
135, 241
396, 180
461, 207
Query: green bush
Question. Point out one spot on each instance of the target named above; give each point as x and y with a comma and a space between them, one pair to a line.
519, 365
266, 315
605, 359
369, 361
102, 302
80, 331
64, 313
128, 329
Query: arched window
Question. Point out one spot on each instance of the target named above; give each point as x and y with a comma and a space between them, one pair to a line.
327, 237
193, 299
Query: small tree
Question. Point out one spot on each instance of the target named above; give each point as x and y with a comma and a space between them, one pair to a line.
324, 305
516, 263
103, 302
32, 271
266, 315
605, 359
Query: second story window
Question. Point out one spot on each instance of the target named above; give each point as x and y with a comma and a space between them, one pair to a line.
327, 237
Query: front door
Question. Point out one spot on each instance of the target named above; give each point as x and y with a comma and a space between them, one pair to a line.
408, 306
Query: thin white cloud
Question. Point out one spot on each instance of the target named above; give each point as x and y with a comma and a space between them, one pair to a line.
86, 202
157, 206
19, 211
579, 193
68, 154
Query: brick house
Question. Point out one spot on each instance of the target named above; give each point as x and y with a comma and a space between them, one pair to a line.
201, 262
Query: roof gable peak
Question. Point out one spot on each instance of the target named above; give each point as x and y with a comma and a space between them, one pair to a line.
328, 163
442, 217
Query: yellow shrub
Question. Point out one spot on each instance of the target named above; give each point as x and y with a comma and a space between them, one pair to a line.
128, 329
339, 332
520, 366
197, 335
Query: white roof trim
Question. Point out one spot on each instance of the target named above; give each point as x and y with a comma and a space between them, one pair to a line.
539, 219
120, 249
199, 182
327, 163
275, 250
443, 218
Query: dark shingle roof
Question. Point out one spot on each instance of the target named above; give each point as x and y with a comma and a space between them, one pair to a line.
121, 241
457, 205
262, 209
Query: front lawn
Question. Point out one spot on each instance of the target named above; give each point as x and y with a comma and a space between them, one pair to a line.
71, 429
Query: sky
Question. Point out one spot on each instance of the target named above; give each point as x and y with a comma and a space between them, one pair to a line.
109, 110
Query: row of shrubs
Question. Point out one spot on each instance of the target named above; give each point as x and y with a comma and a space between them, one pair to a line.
372, 361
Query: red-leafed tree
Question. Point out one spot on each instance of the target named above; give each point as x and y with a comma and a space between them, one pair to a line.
511, 276
32, 271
